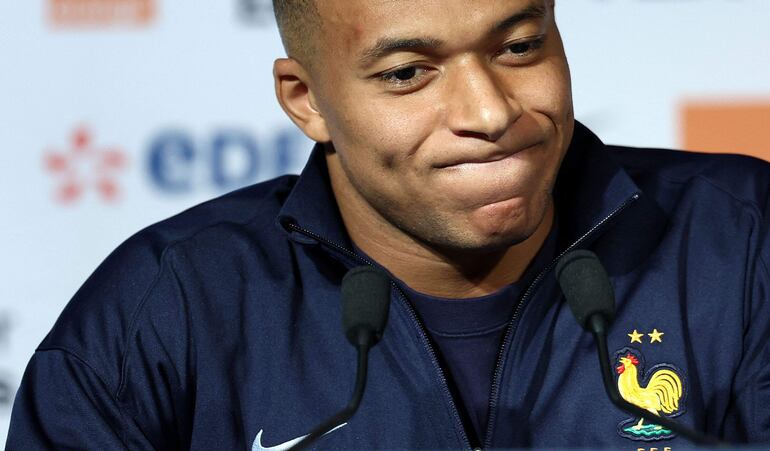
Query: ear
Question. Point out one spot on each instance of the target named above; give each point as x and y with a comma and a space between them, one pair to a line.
294, 93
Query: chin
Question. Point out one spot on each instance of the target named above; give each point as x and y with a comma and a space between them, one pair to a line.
490, 228
482, 238
470, 245
503, 238
517, 216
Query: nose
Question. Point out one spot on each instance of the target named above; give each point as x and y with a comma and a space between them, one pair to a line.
480, 106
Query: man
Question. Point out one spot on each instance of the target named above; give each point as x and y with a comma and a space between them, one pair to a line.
448, 155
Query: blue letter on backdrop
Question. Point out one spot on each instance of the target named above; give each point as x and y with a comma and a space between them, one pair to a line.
170, 162
233, 141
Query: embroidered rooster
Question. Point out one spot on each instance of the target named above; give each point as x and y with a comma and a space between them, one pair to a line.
661, 395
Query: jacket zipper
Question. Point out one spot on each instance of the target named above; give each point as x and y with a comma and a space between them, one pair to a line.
415, 321
512, 325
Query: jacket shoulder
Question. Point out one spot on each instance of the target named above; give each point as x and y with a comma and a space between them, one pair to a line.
745, 178
97, 322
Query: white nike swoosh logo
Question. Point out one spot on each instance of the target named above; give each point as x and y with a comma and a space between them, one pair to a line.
257, 446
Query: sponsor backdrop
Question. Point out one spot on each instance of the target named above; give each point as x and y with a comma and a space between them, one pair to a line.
115, 114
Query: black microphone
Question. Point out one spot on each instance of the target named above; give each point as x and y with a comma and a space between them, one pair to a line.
365, 306
590, 296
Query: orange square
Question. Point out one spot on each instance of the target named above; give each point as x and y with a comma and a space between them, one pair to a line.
88, 13
729, 126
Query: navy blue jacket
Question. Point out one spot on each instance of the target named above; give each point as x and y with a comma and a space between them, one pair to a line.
220, 327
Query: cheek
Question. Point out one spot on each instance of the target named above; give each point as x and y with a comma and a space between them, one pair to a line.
386, 134
547, 90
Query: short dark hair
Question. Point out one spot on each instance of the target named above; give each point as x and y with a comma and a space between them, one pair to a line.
298, 23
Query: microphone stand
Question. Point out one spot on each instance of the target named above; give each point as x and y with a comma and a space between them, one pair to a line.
598, 326
365, 340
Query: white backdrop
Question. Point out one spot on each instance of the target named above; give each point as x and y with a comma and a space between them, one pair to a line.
115, 114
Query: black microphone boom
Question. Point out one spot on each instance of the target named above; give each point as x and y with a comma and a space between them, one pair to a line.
591, 298
365, 306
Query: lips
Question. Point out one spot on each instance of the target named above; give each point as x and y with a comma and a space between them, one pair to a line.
478, 157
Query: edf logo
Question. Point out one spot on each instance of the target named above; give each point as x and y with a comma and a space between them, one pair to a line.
229, 159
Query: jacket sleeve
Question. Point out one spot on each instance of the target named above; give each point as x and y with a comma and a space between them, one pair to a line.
105, 376
749, 418
63, 404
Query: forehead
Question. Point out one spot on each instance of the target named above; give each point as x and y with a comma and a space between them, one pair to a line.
350, 25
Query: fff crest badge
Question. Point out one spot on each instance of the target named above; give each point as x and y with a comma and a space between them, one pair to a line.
659, 389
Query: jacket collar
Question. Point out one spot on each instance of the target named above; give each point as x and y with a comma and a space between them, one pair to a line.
312, 207
590, 187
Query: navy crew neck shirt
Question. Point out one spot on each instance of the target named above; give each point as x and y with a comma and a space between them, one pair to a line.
467, 335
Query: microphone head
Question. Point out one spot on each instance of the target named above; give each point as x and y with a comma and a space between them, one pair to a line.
586, 286
365, 303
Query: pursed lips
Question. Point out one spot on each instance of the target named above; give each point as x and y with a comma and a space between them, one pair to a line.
480, 158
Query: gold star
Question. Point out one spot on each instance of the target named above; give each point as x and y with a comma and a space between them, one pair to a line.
655, 336
635, 336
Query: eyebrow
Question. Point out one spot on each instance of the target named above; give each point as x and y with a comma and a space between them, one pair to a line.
388, 45
533, 11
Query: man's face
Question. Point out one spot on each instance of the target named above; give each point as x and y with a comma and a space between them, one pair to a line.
448, 118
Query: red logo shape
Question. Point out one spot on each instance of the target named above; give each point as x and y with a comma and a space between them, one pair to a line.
84, 166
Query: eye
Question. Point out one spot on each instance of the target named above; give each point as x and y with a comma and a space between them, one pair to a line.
403, 78
405, 74
523, 51
521, 48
